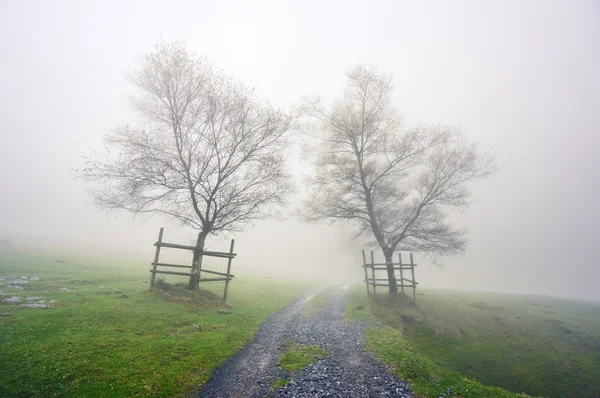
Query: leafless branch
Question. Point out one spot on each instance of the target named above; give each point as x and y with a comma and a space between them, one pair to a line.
208, 153
395, 183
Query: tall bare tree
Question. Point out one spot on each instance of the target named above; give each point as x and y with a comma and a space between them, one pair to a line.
395, 183
206, 153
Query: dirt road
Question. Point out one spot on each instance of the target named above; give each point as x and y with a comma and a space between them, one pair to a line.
347, 372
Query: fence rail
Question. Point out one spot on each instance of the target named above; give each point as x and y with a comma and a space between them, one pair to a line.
193, 248
401, 281
225, 276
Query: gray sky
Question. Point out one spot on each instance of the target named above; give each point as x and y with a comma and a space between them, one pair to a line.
519, 76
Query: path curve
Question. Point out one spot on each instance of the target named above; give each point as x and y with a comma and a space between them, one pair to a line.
347, 372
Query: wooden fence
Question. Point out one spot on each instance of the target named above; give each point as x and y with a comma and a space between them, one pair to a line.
220, 276
373, 280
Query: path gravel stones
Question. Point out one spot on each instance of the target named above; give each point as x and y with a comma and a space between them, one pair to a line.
347, 372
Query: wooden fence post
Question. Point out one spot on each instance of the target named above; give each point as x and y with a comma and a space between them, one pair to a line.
155, 263
412, 270
373, 273
401, 274
199, 272
366, 274
228, 270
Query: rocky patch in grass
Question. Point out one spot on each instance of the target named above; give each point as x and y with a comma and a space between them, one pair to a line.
12, 300
18, 283
34, 283
30, 302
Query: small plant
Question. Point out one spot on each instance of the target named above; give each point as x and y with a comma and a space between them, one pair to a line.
279, 383
297, 356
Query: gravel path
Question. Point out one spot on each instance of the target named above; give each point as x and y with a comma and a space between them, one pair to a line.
347, 372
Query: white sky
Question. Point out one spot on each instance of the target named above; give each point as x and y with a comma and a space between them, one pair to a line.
519, 76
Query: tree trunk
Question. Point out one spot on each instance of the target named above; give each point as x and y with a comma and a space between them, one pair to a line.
389, 254
197, 261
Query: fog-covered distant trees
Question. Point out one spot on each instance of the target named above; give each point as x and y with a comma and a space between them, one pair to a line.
206, 152
395, 183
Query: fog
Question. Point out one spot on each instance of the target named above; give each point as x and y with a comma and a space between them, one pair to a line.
520, 77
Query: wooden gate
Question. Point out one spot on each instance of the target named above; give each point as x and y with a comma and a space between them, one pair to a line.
220, 276
372, 280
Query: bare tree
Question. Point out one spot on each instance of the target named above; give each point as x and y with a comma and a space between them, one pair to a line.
207, 152
395, 183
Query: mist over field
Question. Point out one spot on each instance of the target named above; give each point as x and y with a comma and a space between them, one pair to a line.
519, 77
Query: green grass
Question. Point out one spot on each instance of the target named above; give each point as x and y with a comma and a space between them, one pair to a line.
108, 337
539, 345
427, 378
544, 346
296, 356
279, 383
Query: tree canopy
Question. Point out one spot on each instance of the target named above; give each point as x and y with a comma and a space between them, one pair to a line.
207, 152
395, 183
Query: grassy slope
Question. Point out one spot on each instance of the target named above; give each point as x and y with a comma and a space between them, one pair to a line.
94, 343
544, 346
427, 378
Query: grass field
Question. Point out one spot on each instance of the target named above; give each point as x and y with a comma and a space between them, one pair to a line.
541, 346
107, 336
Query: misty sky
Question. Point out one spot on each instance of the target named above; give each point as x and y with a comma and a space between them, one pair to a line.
522, 77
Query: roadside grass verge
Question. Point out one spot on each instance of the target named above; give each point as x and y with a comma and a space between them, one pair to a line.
107, 336
541, 345
427, 378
